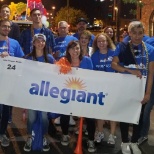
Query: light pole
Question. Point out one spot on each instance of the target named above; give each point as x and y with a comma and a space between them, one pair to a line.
116, 18
68, 3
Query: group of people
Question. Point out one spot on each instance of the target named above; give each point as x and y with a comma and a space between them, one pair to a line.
86, 51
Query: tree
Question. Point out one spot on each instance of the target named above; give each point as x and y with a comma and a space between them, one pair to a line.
70, 15
137, 2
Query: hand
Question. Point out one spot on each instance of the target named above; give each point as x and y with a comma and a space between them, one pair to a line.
145, 99
56, 55
136, 72
4, 54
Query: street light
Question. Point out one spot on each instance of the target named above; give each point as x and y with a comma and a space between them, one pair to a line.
116, 19
53, 7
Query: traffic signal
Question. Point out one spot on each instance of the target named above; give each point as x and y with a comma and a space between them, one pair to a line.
110, 11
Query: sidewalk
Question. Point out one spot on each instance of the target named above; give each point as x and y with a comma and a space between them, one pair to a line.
17, 134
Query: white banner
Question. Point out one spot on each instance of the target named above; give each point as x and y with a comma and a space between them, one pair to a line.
86, 93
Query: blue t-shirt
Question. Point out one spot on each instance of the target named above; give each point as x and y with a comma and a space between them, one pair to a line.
61, 44
127, 38
12, 47
91, 40
86, 63
26, 39
150, 41
140, 59
102, 62
41, 58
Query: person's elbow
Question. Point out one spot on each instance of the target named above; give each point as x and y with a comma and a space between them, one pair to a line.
113, 65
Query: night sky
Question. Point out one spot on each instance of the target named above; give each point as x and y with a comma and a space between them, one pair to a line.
93, 8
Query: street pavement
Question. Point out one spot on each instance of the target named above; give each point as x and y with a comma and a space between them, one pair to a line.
17, 134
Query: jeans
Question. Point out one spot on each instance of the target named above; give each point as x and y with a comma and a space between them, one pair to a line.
124, 128
4, 119
32, 115
146, 116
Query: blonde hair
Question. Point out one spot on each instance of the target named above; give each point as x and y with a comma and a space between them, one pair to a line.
108, 39
86, 33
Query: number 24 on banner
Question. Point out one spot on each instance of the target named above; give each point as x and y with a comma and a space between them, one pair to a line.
11, 67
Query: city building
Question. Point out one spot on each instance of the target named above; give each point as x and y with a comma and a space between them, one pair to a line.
146, 15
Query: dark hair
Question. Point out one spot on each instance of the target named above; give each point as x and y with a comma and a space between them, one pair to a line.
73, 44
4, 20
33, 54
4, 6
106, 28
33, 10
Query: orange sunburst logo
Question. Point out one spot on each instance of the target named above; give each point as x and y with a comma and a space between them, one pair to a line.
74, 83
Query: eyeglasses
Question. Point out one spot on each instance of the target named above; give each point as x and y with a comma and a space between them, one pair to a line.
5, 27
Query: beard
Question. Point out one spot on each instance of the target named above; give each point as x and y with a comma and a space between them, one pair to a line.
81, 29
4, 34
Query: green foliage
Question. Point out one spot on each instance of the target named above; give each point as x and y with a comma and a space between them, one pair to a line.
133, 12
130, 1
70, 15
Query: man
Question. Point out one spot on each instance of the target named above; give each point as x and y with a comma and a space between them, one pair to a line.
148, 108
14, 34
62, 40
81, 26
36, 27
8, 47
60, 50
140, 55
15, 30
127, 38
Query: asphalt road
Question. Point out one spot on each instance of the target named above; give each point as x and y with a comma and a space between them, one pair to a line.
17, 134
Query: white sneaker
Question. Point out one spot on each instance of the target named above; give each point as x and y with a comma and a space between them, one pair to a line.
111, 139
57, 121
72, 122
91, 146
125, 148
65, 140
99, 136
135, 148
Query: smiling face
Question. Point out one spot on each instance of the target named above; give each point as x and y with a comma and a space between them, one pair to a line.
5, 28
102, 42
136, 35
39, 44
84, 40
109, 32
74, 52
36, 16
5, 13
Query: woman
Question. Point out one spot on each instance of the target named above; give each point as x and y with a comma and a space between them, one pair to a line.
111, 33
38, 54
84, 39
75, 58
103, 49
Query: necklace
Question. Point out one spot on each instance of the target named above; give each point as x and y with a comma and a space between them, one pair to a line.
144, 48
